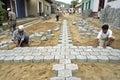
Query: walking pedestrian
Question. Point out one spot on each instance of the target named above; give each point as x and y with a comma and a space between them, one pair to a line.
57, 15
11, 20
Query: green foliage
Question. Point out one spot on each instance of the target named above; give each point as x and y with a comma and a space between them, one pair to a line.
2, 11
74, 3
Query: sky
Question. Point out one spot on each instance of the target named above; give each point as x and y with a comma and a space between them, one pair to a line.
66, 1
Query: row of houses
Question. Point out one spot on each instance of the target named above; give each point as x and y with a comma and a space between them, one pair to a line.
97, 5
27, 8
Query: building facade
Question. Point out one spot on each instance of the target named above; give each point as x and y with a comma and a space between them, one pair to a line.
26, 8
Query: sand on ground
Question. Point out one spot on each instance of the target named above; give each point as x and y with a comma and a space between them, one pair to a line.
26, 71
98, 71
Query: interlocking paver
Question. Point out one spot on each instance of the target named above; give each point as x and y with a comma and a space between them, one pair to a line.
103, 59
18, 59
114, 58
72, 67
81, 58
92, 58
64, 73
73, 78
58, 67
49, 58
28, 58
9, 59
38, 59
65, 61
57, 78
2, 59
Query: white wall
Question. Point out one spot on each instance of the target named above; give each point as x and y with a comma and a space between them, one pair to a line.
113, 4
95, 5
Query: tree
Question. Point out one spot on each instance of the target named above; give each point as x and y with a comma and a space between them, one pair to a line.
74, 3
2, 11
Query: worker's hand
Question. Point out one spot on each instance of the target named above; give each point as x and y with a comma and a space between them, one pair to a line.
14, 41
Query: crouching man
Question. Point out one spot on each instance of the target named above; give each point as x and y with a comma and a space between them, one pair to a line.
104, 37
20, 37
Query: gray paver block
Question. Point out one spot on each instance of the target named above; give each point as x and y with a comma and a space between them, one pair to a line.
58, 57
9, 59
72, 67
57, 67
103, 59
85, 53
2, 59
114, 59
81, 58
105, 53
73, 78
55, 53
86, 49
28, 58
38, 59
65, 61
72, 57
65, 53
36, 54
64, 73
57, 78
49, 58
92, 59
74, 53
18, 59
115, 53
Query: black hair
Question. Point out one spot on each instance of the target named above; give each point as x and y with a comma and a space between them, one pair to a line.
105, 27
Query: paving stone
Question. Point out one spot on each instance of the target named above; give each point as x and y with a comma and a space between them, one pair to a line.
81, 58
49, 58
57, 78
72, 57
91, 58
18, 59
65, 53
55, 53
96, 53
59, 57
36, 54
27, 54
45, 53
85, 53
38, 59
64, 73
103, 59
105, 53
28, 58
65, 61
114, 59
73, 78
78, 50
115, 53
2, 59
74, 53
9, 59
58, 67
72, 67
87, 49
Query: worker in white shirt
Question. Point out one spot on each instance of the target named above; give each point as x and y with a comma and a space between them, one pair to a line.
104, 37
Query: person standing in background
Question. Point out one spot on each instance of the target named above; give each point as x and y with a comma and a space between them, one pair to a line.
11, 20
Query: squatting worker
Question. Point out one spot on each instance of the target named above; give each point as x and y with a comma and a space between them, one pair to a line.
20, 37
104, 37
11, 20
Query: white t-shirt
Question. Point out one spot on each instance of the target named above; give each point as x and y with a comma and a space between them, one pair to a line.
102, 35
